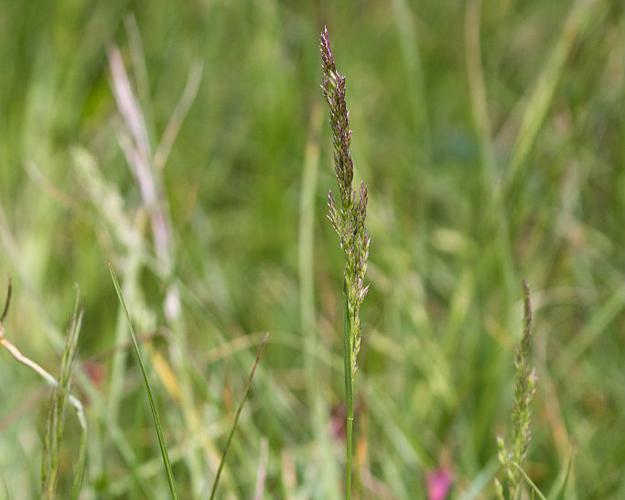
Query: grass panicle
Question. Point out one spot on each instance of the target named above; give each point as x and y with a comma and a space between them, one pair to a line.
348, 220
512, 459
157, 421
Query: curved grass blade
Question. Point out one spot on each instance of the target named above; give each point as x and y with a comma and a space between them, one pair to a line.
238, 414
7, 302
148, 390
563, 479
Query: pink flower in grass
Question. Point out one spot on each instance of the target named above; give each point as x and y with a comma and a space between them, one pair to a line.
439, 483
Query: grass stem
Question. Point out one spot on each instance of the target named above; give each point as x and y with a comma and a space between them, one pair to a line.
349, 396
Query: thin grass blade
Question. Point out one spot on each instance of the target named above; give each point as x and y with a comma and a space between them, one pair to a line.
148, 390
531, 484
248, 386
563, 478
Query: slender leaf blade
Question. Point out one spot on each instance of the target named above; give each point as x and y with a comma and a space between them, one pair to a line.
148, 390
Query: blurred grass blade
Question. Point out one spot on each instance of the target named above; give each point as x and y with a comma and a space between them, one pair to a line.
238, 414
415, 74
179, 114
148, 390
531, 484
477, 89
480, 482
562, 480
261, 472
56, 412
79, 469
542, 95
7, 301
7, 492
596, 325
319, 414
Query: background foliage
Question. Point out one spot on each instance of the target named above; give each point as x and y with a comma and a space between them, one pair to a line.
492, 142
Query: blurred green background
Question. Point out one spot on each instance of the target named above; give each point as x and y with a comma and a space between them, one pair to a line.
492, 140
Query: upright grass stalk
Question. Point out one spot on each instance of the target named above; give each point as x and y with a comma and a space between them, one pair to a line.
512, 459
348, 221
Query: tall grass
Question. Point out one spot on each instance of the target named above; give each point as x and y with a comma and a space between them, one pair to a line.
348, 220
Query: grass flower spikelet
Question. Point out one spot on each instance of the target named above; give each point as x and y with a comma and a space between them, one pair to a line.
348, 220
524, 390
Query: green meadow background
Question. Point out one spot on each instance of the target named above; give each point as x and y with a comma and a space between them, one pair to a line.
492, 138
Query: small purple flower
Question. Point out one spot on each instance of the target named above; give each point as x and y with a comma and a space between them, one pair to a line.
439, 483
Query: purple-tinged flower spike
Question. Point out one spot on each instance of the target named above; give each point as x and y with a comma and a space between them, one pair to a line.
333, 86
349, 220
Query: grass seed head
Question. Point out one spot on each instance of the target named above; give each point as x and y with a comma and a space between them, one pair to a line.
348, 220
512, 459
